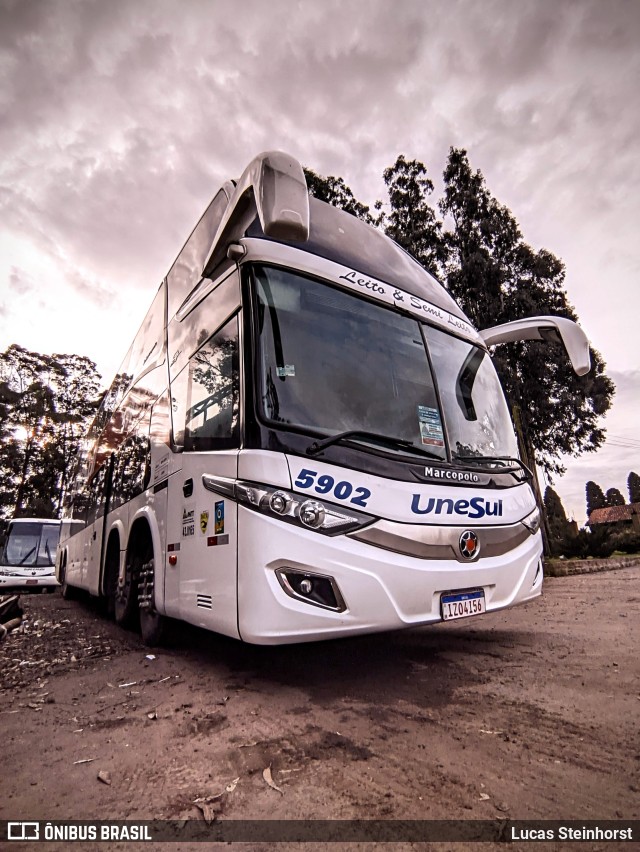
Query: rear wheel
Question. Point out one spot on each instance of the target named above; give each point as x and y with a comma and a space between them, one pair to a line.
68, 592
111, 580
126, 593
152, 624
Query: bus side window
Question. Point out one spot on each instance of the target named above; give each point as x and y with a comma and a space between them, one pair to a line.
96, 495
213, 393
132, 468
160, 429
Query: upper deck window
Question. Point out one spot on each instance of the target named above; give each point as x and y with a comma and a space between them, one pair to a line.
346, 240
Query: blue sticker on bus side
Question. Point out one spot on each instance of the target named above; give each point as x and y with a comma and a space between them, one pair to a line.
326, 485
219, 523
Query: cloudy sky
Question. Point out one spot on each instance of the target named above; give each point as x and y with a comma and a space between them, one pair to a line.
120, 119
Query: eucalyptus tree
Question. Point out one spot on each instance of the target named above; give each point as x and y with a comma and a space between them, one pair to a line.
46, 402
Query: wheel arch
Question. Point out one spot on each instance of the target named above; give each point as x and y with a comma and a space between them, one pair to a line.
116, 529
144, 525
113, 547
61, 563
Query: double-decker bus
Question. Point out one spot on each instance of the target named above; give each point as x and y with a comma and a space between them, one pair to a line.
307, 438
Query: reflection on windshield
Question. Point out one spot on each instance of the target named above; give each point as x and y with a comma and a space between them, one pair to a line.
475, 411
332, 363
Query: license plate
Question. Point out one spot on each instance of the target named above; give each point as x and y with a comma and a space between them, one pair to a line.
31, 583
462, 604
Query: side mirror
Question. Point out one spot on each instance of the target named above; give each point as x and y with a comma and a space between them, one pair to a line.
274, 186
556, 329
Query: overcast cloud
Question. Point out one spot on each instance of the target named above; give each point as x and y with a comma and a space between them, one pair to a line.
121, 119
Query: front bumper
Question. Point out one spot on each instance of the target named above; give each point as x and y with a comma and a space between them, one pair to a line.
382, 589
22, 583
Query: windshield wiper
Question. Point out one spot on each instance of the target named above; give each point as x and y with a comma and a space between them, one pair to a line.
30, 553
510, 464
359, 434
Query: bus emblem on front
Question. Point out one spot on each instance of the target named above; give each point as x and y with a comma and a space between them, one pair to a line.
469, 544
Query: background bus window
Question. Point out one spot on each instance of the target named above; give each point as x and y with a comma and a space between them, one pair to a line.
211, 419
32, 544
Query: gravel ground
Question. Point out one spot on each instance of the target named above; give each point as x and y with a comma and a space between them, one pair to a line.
531, 713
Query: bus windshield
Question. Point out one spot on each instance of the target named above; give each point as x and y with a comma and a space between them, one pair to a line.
476, 413
330, 362
31, 544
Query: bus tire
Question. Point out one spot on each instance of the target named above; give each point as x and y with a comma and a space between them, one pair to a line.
68, 592
152, 623
126, 594
111, 579
152, 627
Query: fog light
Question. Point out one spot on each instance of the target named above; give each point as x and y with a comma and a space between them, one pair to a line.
306, 586
316, 589
279, 502
312, 513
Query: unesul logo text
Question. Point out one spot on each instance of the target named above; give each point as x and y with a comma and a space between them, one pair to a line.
475, 508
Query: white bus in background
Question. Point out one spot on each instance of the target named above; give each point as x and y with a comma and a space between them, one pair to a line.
28, 558
307, 438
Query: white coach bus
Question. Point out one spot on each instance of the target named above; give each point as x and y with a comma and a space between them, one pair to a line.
307, 438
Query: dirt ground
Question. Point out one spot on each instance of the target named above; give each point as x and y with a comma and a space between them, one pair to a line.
531, 713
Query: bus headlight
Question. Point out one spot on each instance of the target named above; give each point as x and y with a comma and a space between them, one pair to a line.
311, 513
279, 502
318, 515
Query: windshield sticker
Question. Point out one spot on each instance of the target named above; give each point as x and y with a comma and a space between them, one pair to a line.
287, 370
430, 426
204, 522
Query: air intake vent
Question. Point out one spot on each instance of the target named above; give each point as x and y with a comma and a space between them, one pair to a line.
204, 601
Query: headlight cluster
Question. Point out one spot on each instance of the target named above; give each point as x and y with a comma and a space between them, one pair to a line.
325, 518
